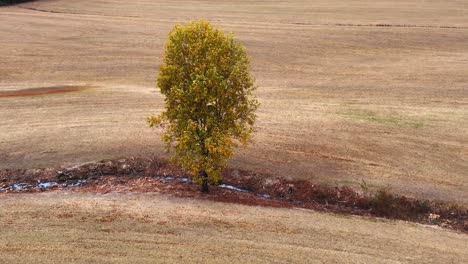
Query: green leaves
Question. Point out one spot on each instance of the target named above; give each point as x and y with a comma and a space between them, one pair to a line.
209, 100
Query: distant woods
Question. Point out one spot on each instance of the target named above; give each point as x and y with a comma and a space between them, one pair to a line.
13, 2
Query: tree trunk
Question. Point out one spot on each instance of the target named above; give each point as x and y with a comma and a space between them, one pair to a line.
204, 187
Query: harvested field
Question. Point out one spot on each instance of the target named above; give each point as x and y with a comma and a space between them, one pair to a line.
350, 90
58, 227
353, 93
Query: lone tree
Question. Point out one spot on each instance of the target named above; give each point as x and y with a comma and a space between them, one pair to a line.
210, 107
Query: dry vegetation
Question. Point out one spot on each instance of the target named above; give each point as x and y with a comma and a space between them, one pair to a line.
150, 228
244, 187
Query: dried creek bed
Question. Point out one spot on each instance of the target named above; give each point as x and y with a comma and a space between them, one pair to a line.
242, 187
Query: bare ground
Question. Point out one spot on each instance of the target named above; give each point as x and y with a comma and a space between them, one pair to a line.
350, 90
61, 227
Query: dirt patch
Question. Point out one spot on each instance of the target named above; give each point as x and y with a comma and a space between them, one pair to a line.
42, 91
242, 187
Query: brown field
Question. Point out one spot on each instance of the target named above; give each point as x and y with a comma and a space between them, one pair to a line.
350, 90
151, 228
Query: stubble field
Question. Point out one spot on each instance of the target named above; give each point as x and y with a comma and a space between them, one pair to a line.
150, 228
350, 91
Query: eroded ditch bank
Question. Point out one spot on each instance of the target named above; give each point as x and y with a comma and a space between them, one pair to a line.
244, 187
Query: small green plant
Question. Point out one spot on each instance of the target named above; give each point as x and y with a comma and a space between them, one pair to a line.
384, 119
364, 187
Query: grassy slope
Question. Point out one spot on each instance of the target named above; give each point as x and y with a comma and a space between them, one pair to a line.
143, 228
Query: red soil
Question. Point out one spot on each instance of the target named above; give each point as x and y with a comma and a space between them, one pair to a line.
42, 91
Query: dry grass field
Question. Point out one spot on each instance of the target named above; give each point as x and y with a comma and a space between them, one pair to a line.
350, 90
373, 90
151, 228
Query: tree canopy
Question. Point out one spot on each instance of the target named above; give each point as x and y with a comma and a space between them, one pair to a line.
210, 106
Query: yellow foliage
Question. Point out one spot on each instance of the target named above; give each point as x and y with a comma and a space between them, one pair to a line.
208, 95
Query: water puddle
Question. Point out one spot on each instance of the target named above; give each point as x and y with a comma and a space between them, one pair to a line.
237, 189
19, 187
264, 195
231, 187
76, 183
42, 185
185, 180
168, 178
46, 185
